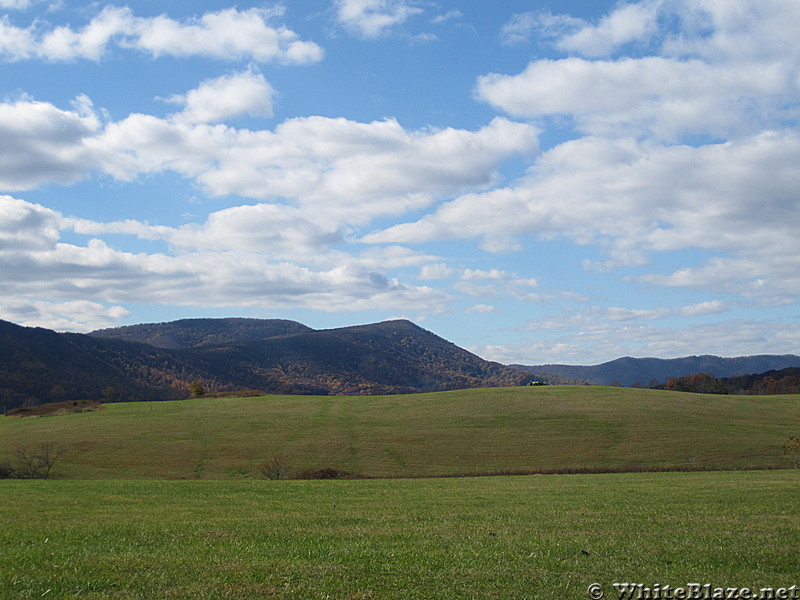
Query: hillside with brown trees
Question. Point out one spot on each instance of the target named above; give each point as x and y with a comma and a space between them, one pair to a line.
166, 361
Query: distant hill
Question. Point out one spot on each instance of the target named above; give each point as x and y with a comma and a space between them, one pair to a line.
160, 361
629, 371
781, 381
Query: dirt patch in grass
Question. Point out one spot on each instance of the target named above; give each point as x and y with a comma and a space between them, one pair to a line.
53, 409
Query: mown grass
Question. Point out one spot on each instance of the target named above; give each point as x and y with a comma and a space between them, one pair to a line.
490, 537
493, 430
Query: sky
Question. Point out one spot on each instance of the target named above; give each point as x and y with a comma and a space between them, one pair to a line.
541, 181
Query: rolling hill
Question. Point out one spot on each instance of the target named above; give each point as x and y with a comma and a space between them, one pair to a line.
488, 430
159, 361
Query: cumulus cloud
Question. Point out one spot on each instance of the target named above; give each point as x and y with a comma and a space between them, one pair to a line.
44, 144
26, 226
732, 69
80, 316
635, 180
315, 179
374, 18
625, 197
228, 34
35, 264
627, 23
350, 171
215, 100
655, 97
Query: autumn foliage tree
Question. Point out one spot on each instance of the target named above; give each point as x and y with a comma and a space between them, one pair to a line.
197, 388
701, 383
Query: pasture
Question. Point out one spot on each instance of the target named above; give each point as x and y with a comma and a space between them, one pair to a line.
521, 537
493, 430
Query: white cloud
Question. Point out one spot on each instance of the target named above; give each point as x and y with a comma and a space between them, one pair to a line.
656, 97
35, 264
374, 18
79, 315
733, 69
216, 100
626, 184
63, 43
320, 178
496, 282
435, 271
450, 15
25, 226
627, 23
625, 197
348, 171
617, 313
15, 4
43, 144
709, 29
228, 34
736, 30
544, 24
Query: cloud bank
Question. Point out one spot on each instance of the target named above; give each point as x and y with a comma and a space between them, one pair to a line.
228, 34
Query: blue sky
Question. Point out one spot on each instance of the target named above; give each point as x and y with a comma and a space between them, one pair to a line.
536, 181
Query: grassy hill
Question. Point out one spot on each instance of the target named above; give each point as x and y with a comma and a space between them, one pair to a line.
444, 433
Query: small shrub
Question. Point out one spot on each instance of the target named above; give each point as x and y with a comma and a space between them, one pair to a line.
277, 467
791, 451
197, 388
329, 473
7, 471
199, 467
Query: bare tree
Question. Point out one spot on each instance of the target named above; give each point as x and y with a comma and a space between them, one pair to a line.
37, 462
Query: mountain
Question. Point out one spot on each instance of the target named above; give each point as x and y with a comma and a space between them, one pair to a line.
38, 365
160, 361
628, 371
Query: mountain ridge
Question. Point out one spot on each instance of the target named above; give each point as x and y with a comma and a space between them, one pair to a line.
159, 361
628, 371
186, 333
272, 356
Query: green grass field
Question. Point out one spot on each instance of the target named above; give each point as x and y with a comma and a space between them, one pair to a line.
448, 433
116, 522
537, 537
